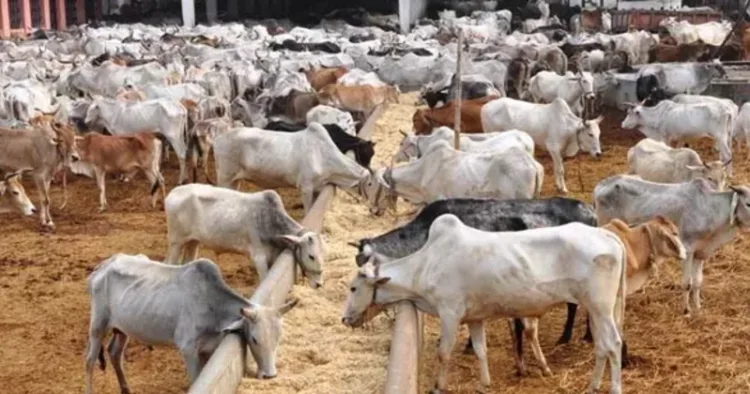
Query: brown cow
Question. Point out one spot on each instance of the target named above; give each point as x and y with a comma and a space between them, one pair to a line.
201, 142
678, 53
357, 98
42, 150
425, 120
124, 154
13, 196
325, 76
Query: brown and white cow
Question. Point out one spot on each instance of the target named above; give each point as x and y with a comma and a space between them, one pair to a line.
42, 150
357, 98
13, 196
124, 154
425, 120
202, 139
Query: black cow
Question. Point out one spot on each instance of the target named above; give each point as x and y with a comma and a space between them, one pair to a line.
486, 215
327, 47
363, 150
648, 91
472, 86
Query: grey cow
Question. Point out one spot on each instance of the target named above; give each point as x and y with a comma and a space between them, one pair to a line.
190, 306
706, 219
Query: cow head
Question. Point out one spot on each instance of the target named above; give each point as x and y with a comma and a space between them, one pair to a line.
12, 191
586, 84
361, 304
65, 140
261, 328
717, 69
588, 136
665, 238
378, 189
421, 122
408, 148
740, 207
633, 117
308, 252
715, 172
93, 114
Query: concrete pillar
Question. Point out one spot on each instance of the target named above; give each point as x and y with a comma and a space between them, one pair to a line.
80, 12
188, 13
4, 19
46, 21
26, 16
62, 22
212, 13
409, 11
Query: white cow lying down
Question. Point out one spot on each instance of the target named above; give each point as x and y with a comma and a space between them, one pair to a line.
655, 161
412, 146
443, 172
224, 220
466, 275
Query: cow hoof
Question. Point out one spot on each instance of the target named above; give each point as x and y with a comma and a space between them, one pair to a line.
546, 372
587, 338
102, 209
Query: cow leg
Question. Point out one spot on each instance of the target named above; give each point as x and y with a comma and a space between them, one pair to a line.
725, 153
116, 351
155, 184
559, 170
687, 279
531, 330
697, 284
588, 337
260, 258
476, 330
607, 346
190, 251
448, 330
40, 190
101, 181
569, 322
183, 169
205, 166
96, 335
515, 327
308, 198
44, 186
192, 362
174, 252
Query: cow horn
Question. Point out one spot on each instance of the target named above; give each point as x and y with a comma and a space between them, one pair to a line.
403, 133
727, 163
354, 244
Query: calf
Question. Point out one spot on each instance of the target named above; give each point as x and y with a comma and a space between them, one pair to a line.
706, 219
544, 267
13, 196
190, 306
655, 161
123, 154
362, 150
325, 76
254, 224
425, 120
357, 98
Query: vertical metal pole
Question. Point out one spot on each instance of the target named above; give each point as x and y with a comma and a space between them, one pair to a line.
46, 16
188, 13
457, 101
62, 21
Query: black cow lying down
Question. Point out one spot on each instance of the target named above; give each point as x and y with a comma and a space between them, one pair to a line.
486, 215
363, 150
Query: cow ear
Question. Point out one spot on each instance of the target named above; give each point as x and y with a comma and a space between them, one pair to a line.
287, 240
53, 141
694, 168
380, 281
234, 326
249, 314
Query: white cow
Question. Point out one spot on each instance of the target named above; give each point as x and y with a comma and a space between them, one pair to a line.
325, 114
23, 100
546, 86
307, 159
553, 126
413, 145
443, 172
698, 99
655, 161
706, 219
669, 121
108, 78
462, 274
357, 77
189, 91
684, 32
253, 224
163, 116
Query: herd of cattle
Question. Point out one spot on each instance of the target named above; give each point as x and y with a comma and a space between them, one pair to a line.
118, 99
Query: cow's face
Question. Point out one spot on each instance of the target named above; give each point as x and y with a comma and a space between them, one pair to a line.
741, 211
715, 172
633, 118
589, 136
377, 192
12, 191
66, 142
309, 253
360, 304
92, 114
408, 148
665, 238
262, 328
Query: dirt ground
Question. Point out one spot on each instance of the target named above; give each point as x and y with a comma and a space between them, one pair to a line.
46, 309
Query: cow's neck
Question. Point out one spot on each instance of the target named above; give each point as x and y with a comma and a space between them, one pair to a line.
400, 287
406, 182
